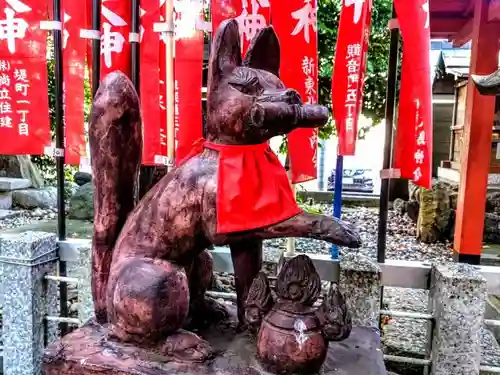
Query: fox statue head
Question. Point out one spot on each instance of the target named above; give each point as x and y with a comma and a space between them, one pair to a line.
247, 101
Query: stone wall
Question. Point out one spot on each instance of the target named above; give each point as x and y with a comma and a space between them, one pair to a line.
434, 212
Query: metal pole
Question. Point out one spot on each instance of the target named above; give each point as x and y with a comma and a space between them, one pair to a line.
59, 117
290, 244
96, 46
169, 84
146, 172
337, 198
389, 121
135, 45
321, 173
453, 121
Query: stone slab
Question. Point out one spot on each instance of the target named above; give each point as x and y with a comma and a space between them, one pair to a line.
5, 200
6, 214
87, 351
10, 184
348, 199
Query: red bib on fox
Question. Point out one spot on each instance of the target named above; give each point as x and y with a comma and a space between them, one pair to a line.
253, 190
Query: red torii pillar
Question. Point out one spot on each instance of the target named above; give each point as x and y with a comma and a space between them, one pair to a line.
475, 163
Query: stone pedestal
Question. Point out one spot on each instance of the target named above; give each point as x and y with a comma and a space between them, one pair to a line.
360, 285
26, 297
458, 301
87, 351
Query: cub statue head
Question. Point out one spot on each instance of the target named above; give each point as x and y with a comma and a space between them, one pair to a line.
247, 101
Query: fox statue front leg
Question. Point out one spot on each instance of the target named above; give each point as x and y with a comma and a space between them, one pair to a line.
314, 226
246, 251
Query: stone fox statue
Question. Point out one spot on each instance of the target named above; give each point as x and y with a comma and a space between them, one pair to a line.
150, 262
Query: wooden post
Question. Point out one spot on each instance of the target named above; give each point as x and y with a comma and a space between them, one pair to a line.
453, 121
475, 161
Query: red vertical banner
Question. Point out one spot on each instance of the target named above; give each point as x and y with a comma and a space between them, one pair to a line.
74, 17
406, 115
153, 118
188, 70
349, 71
24, 107
252, 16
295, 24
116, 16
414, 131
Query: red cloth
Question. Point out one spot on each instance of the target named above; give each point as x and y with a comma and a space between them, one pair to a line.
413, 153
253, 190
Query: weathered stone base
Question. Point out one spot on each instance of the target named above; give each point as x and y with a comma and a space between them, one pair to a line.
87, 351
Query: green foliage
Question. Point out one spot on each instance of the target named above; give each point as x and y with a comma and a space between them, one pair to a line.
307, 206
311, 209
52, 95
378, 52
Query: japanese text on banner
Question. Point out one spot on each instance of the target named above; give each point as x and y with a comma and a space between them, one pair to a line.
23, 79
351, 101
251, 15
413, 148
311, 95
115, 29
349, 71
420, 145
14, 98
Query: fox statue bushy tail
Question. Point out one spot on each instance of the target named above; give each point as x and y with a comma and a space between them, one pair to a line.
115, 137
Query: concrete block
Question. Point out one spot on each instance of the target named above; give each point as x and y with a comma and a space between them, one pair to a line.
25, 259
10, 184
458, 302
360, 282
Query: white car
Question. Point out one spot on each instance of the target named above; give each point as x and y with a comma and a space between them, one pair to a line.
355, 180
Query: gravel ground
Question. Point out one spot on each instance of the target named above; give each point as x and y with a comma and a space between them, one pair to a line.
401, 242
25, 217
401, 335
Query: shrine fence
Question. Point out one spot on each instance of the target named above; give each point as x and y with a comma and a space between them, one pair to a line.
30, 297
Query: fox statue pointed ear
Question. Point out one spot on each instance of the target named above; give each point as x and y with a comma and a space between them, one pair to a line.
226, 52
264, 52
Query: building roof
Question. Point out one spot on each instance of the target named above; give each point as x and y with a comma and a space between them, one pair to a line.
448, 17
456, 62
447, 59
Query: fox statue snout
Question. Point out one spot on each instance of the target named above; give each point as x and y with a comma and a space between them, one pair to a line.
302, 115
